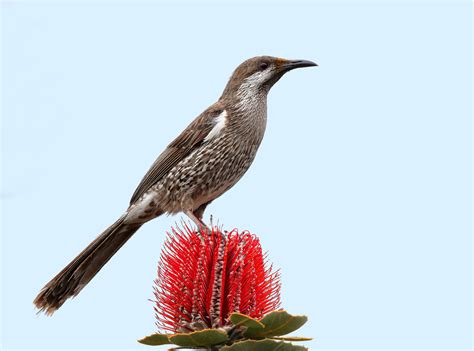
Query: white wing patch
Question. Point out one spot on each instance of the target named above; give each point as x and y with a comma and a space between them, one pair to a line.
221, 122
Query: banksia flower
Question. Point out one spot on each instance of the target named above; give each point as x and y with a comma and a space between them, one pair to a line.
204, 277
216, 291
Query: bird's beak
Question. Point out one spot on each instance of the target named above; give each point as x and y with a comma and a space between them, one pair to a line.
292, 64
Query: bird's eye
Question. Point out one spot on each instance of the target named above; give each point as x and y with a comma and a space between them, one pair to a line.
263, 65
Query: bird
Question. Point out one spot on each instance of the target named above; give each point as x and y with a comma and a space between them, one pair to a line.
202, 163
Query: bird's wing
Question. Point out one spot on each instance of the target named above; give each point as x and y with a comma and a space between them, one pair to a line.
190, 139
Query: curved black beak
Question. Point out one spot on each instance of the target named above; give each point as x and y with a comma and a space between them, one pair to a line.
292, 64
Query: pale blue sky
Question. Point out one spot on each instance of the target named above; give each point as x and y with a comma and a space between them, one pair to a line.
361, 190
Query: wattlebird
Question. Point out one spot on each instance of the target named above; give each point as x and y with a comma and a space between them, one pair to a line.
202, 163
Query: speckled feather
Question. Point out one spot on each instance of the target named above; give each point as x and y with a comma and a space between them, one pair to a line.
203, 170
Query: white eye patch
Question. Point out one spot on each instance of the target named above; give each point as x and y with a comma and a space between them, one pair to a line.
249, 90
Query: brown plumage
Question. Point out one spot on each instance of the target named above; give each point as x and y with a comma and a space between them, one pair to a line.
203, 162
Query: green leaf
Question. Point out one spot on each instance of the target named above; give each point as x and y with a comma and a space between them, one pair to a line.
155, 339
263, 345
281, 323
253, 328
246, 321
206, 338
291, 338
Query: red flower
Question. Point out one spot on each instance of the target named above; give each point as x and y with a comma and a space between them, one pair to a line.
203, 278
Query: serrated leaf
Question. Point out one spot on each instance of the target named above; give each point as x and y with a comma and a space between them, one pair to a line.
246, 321
155, 339
291, 338
279, 323
263, 345
206, 338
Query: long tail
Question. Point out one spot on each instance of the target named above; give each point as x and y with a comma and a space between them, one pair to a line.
70, 281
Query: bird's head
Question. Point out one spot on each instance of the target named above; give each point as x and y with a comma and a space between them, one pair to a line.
260, 73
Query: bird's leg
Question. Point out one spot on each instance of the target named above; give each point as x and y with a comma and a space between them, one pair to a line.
199, 212
200, 224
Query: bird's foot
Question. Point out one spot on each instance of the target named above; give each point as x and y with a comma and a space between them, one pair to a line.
202, 227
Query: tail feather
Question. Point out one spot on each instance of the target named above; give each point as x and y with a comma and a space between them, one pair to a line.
70, 281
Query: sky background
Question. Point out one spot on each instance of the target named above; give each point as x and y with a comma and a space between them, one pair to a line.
361, 190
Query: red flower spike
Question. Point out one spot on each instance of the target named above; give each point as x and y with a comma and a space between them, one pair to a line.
203, 278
